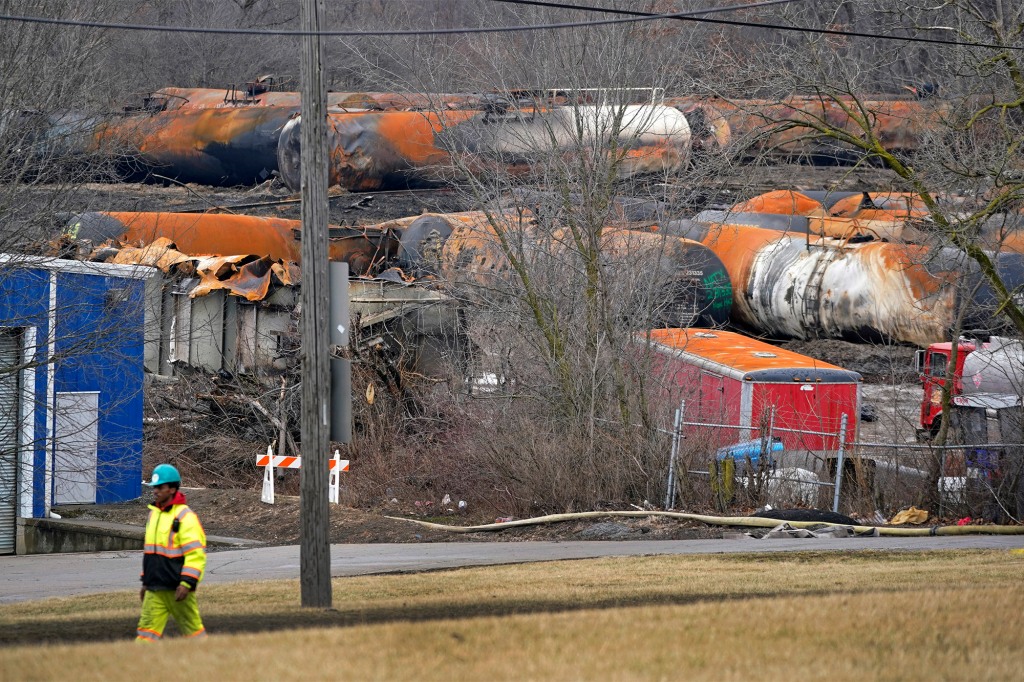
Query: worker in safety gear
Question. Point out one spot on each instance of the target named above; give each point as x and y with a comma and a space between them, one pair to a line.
173, 562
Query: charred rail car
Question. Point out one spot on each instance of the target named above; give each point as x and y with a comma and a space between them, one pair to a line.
207, 146
375, 150
383, 150
818, 226
858, 205
893, 216
651, 138
776, 126
805, 286
366, 250
683, 281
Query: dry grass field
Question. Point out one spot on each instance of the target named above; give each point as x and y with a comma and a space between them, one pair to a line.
828, 616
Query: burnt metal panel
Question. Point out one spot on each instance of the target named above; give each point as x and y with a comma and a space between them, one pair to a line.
365, 249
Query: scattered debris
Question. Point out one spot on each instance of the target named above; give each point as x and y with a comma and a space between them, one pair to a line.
785, 530
913, 516
793, 484
504, 523
609, 531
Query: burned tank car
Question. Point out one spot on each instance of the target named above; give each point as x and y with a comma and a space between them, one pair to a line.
698, 291
375, 150
779, 222
220, 147
679, 281
800, 286
419, 244
654, 138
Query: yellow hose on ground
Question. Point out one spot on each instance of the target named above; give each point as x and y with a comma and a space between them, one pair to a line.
746, 521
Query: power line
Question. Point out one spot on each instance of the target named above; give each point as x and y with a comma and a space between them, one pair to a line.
776, 27
408, 32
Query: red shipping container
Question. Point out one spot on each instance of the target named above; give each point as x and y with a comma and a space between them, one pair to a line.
732, 380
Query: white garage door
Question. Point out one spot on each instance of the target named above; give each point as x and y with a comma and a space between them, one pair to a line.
9, 351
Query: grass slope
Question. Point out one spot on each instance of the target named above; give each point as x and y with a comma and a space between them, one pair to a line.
912, 616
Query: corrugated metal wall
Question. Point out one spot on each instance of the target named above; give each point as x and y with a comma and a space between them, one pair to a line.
9, 428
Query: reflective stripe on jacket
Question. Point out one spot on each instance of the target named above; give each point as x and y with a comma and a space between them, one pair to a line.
175, 554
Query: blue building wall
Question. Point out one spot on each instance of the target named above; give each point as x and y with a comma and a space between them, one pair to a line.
98, 347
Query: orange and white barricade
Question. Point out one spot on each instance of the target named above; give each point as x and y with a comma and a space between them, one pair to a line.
271, 461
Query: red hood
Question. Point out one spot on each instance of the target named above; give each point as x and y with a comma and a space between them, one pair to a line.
179, 498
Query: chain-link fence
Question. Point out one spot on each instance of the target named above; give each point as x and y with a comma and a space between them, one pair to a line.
752, 465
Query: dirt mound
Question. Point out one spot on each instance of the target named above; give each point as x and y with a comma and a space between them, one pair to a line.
877, 363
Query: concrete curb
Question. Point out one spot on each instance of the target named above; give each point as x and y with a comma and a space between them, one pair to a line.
49, 536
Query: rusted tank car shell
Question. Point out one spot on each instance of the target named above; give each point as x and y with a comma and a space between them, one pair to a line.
759, 126
654, 138
709, 129
219, 234
464, 249
822, 226
863, 292
393, 149
782, 202
804, 286
871, 205
208, 146
860, 205
374, 150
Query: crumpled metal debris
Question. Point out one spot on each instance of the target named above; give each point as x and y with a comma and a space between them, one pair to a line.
248, 276
161, 254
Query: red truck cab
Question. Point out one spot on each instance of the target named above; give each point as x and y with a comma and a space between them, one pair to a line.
932, 364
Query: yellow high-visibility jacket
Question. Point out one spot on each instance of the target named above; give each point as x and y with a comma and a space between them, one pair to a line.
175, 551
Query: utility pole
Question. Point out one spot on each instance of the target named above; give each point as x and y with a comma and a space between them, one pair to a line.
314, 513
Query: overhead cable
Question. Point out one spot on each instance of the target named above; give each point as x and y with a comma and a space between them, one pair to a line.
380, 33
753, 24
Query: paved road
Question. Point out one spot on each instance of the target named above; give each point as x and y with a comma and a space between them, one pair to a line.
38, 576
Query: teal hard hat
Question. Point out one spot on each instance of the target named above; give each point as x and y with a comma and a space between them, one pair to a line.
163, 473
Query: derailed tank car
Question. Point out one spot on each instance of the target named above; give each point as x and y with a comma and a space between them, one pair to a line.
390, 149
676, 281
804, 286
652, 138
374, 150
208, 146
